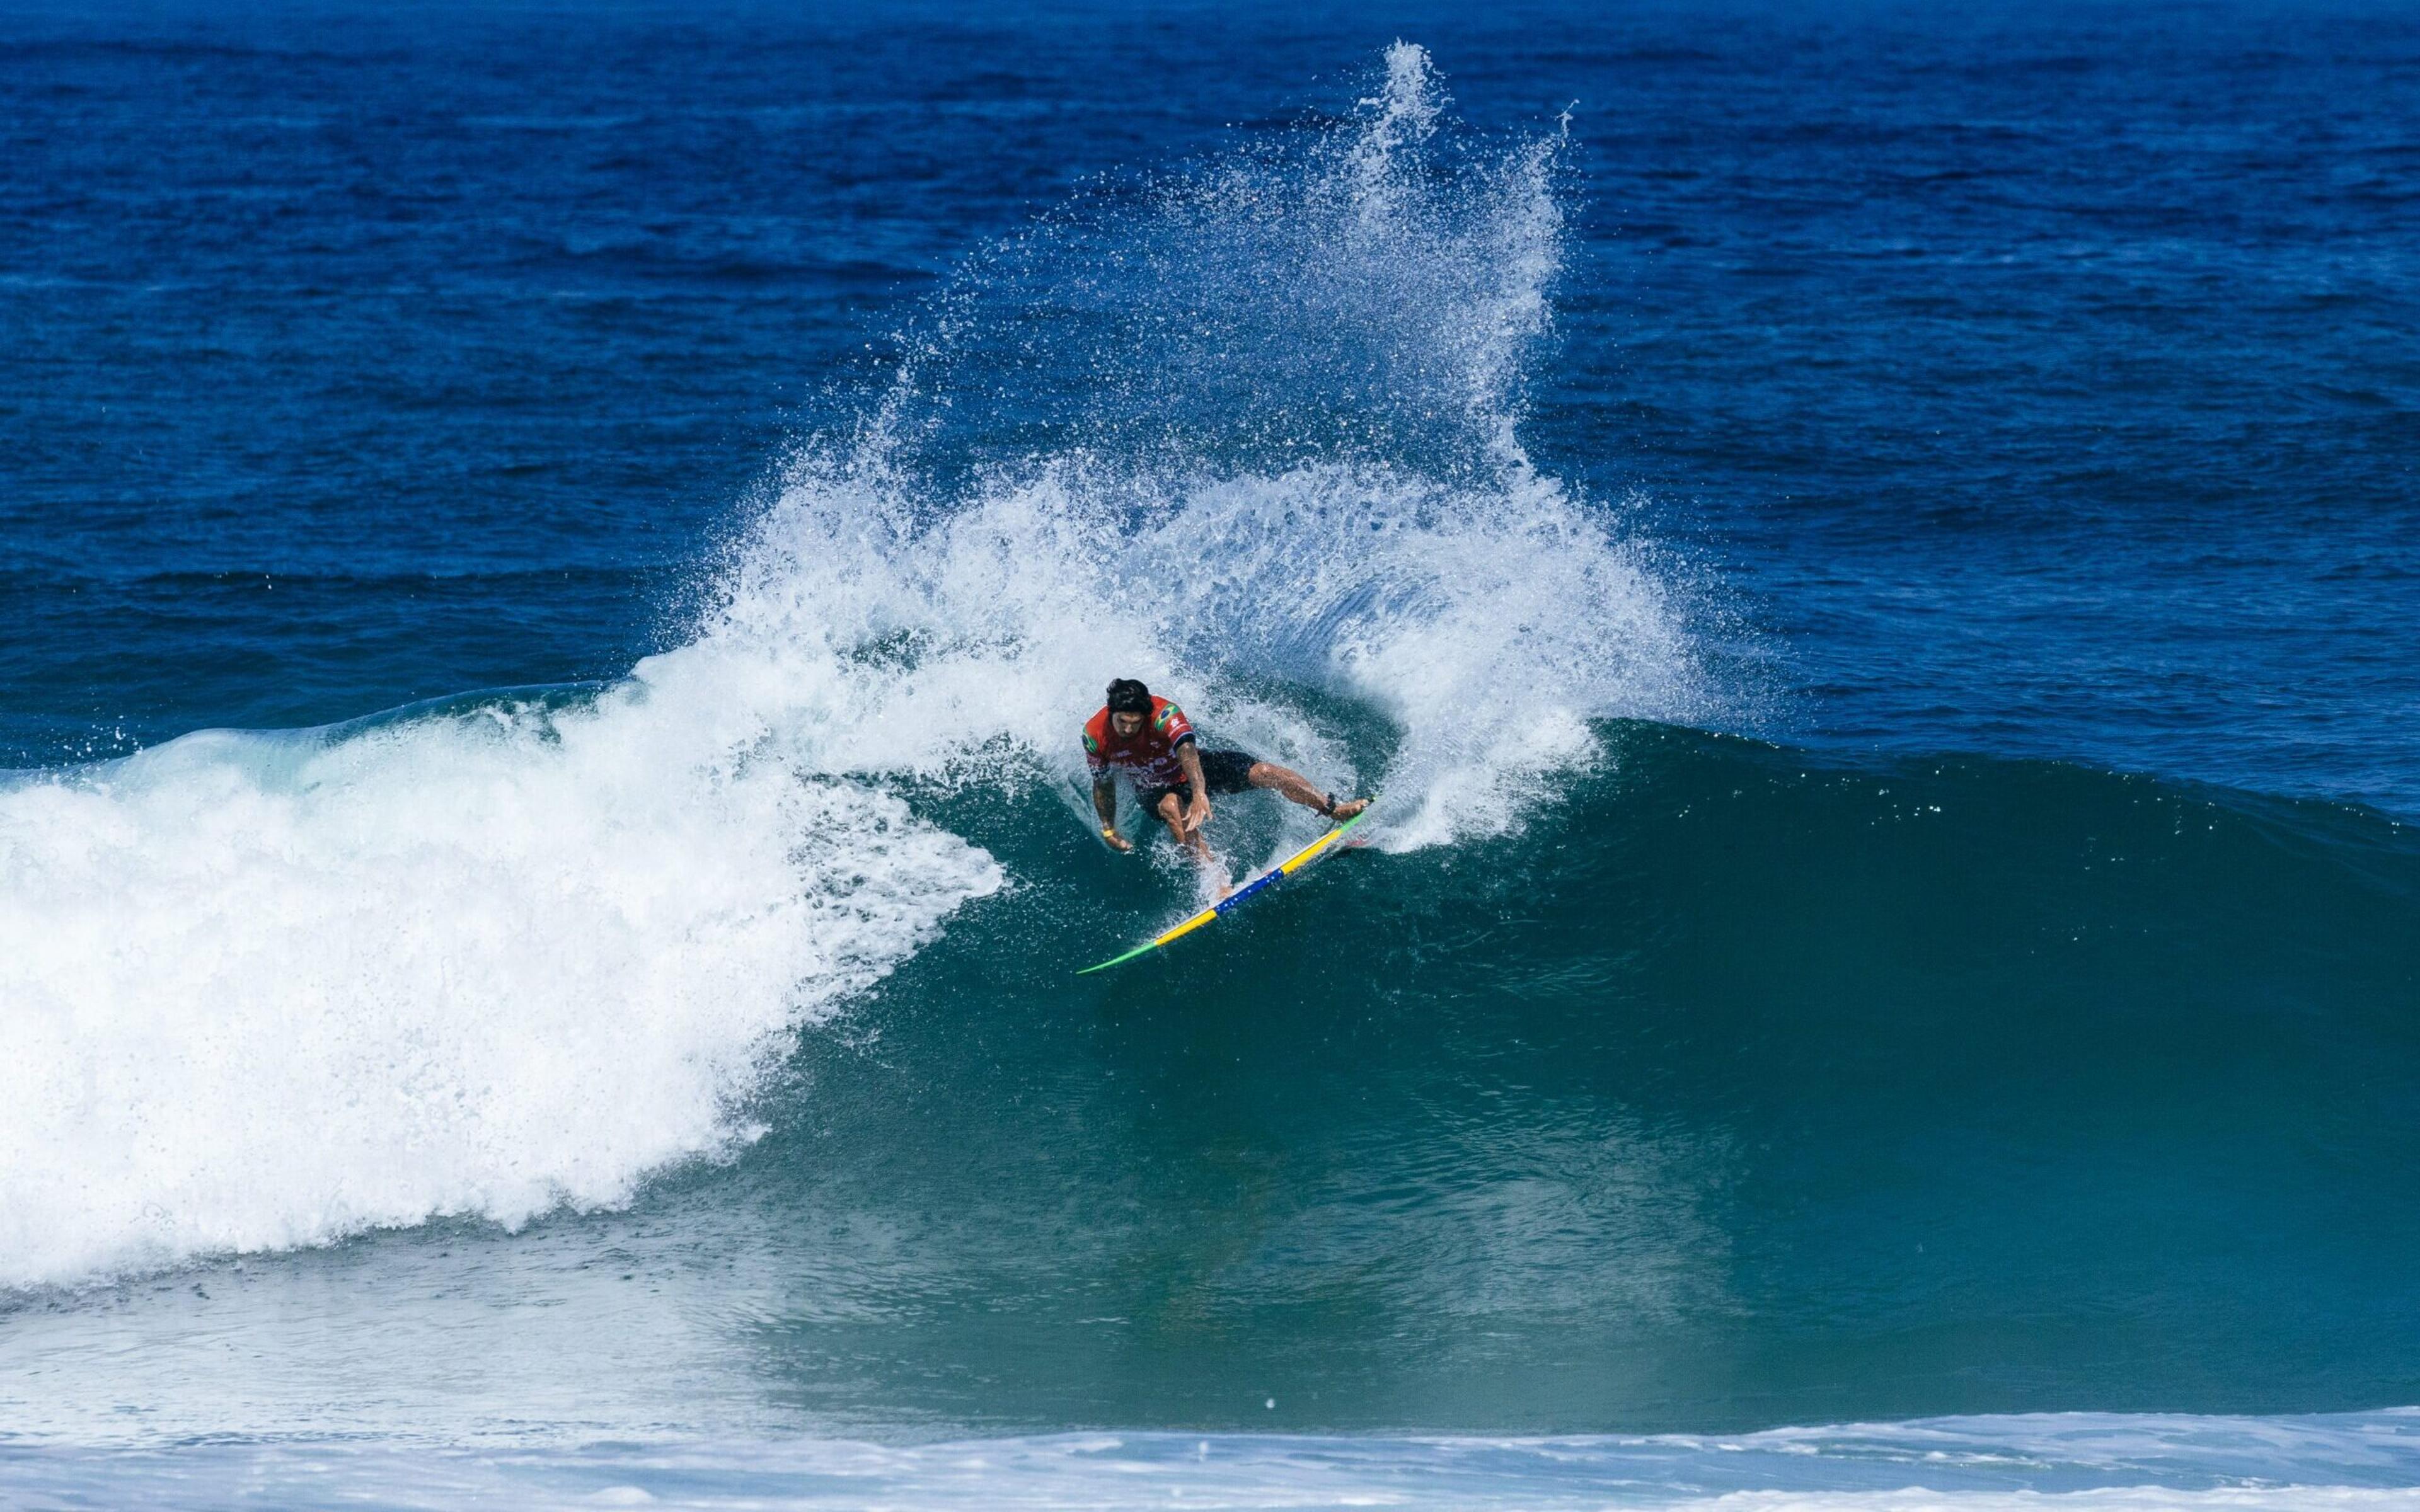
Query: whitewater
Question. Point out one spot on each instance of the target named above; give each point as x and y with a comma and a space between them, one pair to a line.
2089, 1464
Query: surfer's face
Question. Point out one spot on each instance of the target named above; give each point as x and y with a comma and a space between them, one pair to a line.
1126, 725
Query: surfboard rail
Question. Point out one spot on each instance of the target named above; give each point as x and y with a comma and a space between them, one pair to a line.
1260, 883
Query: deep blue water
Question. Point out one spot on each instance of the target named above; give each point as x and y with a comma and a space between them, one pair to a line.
2043, 380
1872, 555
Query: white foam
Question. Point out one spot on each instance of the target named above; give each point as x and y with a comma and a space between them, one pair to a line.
1487, 624
267, 991
1106, 1471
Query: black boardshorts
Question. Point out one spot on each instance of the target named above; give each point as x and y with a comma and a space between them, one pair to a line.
1222, 772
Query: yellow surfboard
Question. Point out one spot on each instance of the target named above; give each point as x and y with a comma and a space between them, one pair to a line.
1266, 879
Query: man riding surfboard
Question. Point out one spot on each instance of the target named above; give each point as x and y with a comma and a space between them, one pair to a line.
1151, 741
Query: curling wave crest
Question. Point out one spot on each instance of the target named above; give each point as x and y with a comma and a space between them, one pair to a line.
270, 990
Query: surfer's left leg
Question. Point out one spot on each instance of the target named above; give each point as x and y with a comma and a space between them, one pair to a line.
1291, 784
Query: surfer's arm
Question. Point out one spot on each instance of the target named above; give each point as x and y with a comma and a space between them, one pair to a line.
1189, 756
1105, 803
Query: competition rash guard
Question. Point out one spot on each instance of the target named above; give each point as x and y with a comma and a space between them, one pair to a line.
1148, 757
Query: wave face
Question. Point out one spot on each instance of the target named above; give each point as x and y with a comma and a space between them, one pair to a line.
1741, 1088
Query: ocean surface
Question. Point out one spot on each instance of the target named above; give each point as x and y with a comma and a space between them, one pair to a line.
552, 556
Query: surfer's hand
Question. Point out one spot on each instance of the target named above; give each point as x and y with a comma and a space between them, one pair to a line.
1116, 841
1198, 814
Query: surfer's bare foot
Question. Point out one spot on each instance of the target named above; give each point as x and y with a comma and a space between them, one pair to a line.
1347, 810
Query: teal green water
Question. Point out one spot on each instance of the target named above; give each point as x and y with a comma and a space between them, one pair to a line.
1741, 1086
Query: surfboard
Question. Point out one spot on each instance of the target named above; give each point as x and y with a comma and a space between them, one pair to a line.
1236, 899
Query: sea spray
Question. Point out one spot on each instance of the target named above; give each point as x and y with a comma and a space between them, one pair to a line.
1486, 628
1376, 289
1248, 431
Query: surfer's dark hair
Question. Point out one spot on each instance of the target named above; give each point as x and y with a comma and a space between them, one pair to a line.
1126, 695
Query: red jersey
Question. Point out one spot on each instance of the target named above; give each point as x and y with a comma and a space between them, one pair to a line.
1149, 756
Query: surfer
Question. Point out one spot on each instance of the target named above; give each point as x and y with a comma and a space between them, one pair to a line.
1150, 740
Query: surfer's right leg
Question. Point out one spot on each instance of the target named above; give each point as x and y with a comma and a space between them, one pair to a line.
1171, 813
1291, 784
